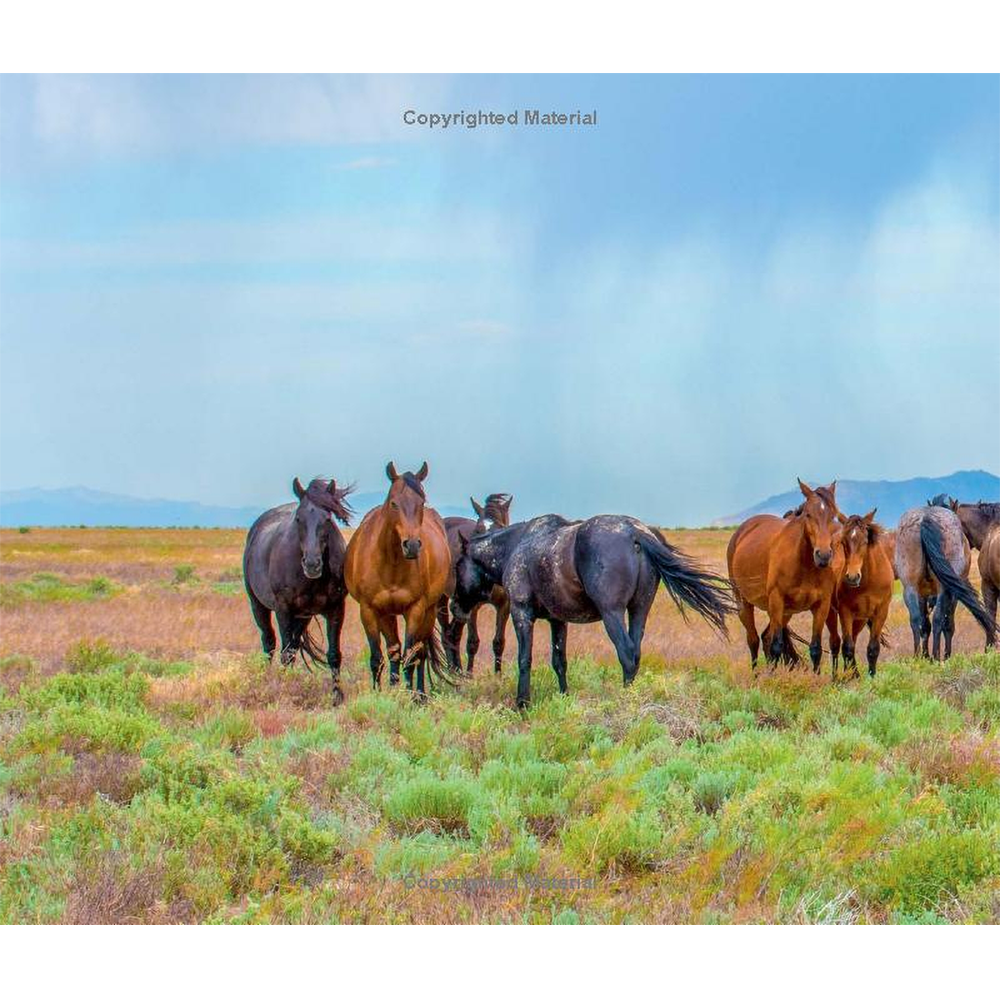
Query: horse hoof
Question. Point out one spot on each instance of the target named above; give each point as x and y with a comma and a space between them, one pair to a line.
287, 657
338, 697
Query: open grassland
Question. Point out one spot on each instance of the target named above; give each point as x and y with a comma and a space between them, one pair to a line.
153, 767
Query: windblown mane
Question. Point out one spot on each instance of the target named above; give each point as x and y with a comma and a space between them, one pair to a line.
875, 530
418, 487
495, 508
335, 502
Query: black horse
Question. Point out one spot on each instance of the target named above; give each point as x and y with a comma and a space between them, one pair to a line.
583, 571
293, 565
493, 513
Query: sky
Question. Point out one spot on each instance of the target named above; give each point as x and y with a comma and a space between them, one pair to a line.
209, 285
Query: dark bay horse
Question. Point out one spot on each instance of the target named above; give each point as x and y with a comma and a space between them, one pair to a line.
582, 571
493, 513
932, 559
976, 520
864, 590
293, 566
784, 565
398, 563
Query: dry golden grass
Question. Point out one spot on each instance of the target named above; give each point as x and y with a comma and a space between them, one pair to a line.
154, 615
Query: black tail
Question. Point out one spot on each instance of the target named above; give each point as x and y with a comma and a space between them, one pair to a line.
437, 663
311, 651
687, 583
933, 545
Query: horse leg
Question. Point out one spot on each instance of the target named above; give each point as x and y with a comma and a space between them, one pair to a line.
614, 625
944, 611
419, 626
334, 623
524, 628
947, 604
750, 625
875, 627
262, 616
637, 615
990, 595
472, 641
917, 607
369, 622
390, 630
290, 630
927, 605
832, 622
776, 626
820, 615
448, 629
559, 631
500, 635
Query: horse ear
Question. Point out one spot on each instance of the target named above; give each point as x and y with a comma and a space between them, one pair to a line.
422, 472
953, 504
390, 471
870, 516
297, 488
332, 488
463, 544
806, 491
476, 507
841, 518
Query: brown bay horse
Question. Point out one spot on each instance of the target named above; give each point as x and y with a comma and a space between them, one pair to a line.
493, 513
932, 560
398, 564
784, 566
864, 589
989, 572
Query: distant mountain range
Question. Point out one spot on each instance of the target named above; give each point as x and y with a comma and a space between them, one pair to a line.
77, 505
858, 496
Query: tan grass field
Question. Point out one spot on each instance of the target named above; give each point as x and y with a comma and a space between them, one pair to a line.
208, 614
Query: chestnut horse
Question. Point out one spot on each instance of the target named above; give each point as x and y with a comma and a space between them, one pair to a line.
494, 513
398, 563
932, 559
864, 590
784, 565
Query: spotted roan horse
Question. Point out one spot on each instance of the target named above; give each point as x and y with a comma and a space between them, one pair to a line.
493, 513
583, 571
932, 559
293, 567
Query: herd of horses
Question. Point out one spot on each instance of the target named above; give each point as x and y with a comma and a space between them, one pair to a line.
405, 561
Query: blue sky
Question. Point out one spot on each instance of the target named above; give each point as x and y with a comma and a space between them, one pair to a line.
209, 285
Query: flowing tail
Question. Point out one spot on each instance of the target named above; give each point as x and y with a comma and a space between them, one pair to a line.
958, 587
311, 650
438, 666
687, 583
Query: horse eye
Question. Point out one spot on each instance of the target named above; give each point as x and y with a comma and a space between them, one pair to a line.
394, 505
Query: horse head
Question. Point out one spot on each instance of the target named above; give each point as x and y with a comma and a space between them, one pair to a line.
976, 520
858, 533
404, 507
494, 513
472, 583
818, 515
319, 503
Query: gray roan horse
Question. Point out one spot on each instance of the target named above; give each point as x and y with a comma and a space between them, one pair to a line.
293, 565
932, 559
493, 513
583, 571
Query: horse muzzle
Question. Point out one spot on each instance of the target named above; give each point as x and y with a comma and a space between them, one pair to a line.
313, 570
853, 579
411, 547
822, 557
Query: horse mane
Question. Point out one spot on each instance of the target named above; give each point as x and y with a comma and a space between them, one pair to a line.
824, 493
875, 530
411, 480
334, 502
495, 508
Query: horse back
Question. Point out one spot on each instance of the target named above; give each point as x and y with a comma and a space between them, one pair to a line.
748, 556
